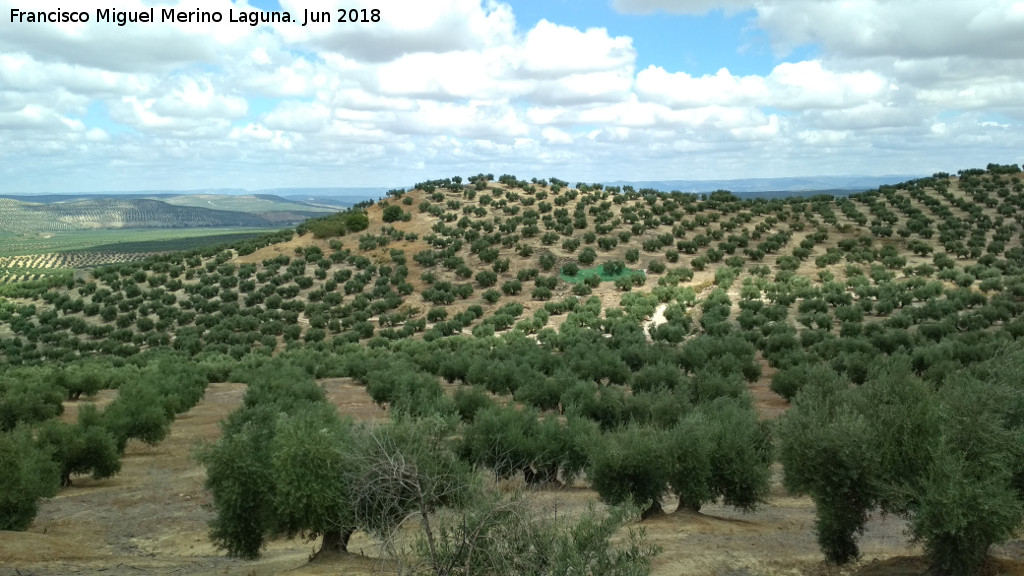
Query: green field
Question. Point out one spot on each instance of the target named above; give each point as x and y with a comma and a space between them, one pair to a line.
123, 240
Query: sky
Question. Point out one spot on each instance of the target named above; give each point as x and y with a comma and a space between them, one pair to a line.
582, 90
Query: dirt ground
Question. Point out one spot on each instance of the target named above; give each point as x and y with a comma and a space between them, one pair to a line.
151, 519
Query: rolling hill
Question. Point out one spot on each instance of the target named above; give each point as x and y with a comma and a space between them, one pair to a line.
262, 204
585, 344
114, 213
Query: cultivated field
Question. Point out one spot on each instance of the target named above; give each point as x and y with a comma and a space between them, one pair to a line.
31, 256
823, 385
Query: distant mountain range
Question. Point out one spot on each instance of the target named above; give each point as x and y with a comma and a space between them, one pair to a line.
343, 197
29, 214
332, 198
772, 186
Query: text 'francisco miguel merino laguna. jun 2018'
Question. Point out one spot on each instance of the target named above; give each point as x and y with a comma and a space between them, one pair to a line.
173, 15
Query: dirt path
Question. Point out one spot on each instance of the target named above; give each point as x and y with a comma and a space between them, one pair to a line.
656, 319
147, 518
151, 518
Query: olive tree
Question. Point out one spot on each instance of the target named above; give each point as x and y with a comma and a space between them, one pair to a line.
826, 451
742, 453
86, 447
238, 477
630, 465
691, 444
29, 474
968, 496
27, 398
312, 467
949, 460
297, 469
720, 450
139, 412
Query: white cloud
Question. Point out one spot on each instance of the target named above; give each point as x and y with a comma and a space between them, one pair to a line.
553, 51
808, 85
869, 116
680, 6
33, 117
682, 90
405, 27
555, 136
769, 129
471, 120
798, 85
298, 117
983, 95
450, 75
594, 87
97, 135
251, 132
287, 77
453, 86
186, 106
197, 98
864, 28
20, 71
358, 99
139, 47
822, 137
907, 29
552, 64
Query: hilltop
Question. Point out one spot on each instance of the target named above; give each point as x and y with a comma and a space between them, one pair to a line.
604, 314
771, 187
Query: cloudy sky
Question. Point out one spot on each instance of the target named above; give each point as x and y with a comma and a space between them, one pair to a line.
587, 90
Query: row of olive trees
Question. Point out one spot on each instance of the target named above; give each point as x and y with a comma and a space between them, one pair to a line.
719, 451
288, 465
949, 459
41, 453
697, 437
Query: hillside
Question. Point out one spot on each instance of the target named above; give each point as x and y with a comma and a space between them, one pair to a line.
565, 329
48, 235
108, 213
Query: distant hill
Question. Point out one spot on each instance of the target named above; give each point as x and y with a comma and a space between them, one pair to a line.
336, 202
329, 197
113, 213
250, 203
256, 201
341, 191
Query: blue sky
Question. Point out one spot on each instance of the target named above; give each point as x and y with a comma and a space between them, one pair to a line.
583, 90
677, 42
